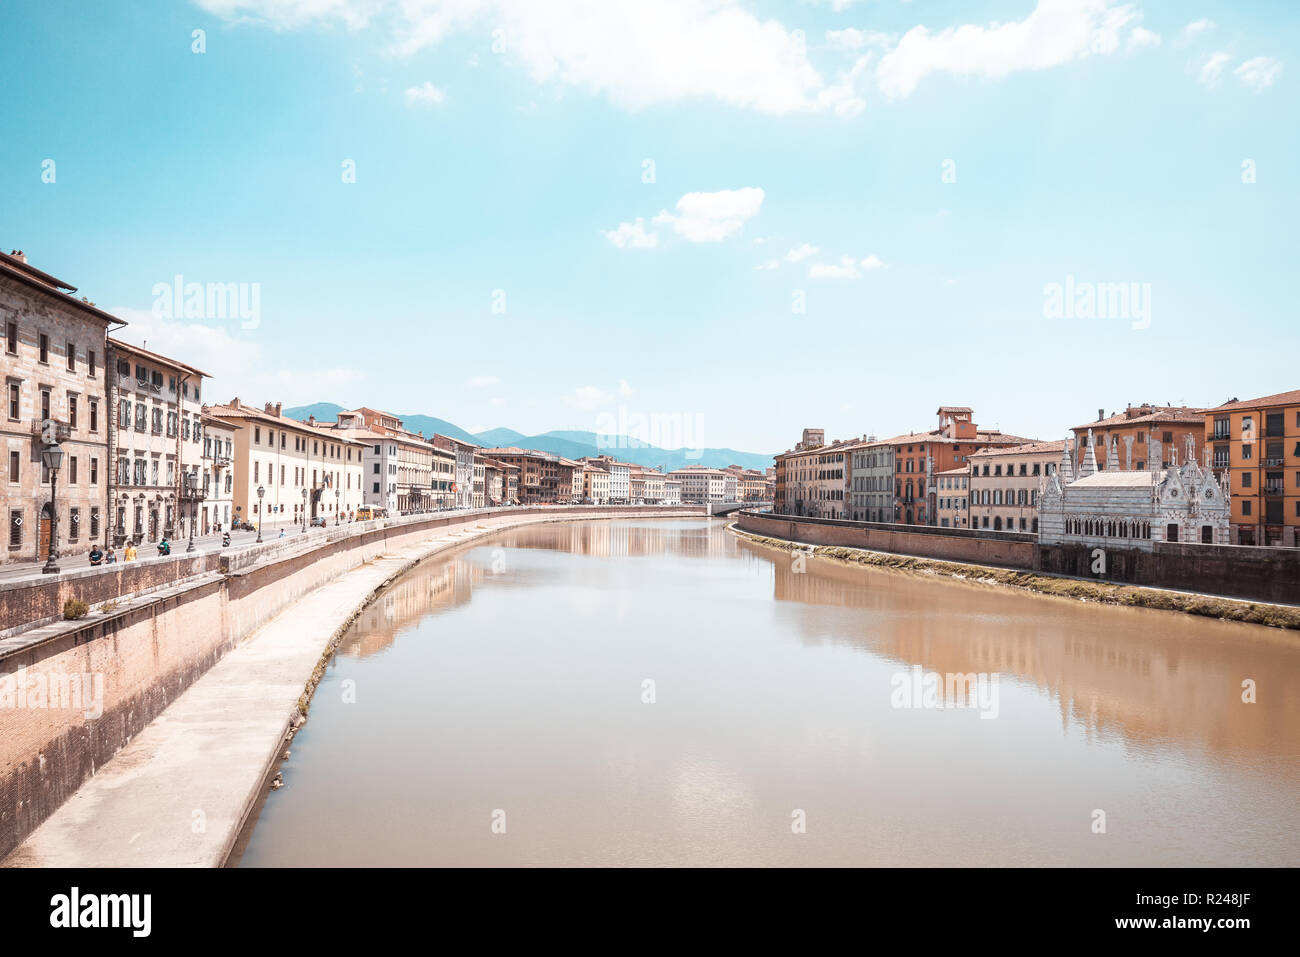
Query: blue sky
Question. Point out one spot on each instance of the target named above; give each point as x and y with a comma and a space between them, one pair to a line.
799, 154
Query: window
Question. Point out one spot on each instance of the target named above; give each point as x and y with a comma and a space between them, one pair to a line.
72, 470
72, 357
94, 415
1245, 507
15, 528
44, 348
74, 523
90, 370
11, 338
15, 395
1246, 452
15, 465
94, 471
257, 435
72, 411
94, 520
45, 404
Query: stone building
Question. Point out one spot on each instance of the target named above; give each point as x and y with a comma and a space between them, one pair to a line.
1135, 429
595, 484
953, 502
1005, 484
704, 485
813, 478
298, 467
217, 471
155, 439
398, 464
672, 491
462, 487
55, 369
1132, 508
871, 482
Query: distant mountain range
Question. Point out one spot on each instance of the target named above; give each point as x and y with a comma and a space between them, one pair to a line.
570, 444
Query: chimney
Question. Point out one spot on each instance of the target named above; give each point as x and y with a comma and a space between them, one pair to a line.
19, 255
234, 403
311, 420
1101, 414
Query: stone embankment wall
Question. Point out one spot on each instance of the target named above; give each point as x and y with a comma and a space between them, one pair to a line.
1229, 571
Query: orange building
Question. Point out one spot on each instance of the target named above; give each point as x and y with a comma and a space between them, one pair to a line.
1258, 442
919, 457
1137, 431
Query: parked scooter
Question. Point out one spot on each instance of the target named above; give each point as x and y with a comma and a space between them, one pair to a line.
225, 539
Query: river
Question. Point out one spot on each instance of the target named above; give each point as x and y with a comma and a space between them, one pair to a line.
660, 692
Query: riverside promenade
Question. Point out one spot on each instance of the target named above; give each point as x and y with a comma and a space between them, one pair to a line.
179, 793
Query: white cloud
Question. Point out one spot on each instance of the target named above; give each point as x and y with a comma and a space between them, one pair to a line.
846, 268
426, 95
587, 397
482, 381
1197, 27
800, 253
632, 235
1212, 69
1055, 33
1258, 73
238, 365
624, 389
637, 54
768, 266
498, 403
1142, 37
713, 217
851, 39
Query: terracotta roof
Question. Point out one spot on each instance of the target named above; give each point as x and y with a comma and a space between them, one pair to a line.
953, 408
961, 471
1028, 448
1265, 402
242, 411
1161, 413
158, 357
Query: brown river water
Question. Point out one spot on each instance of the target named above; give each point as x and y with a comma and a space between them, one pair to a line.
659, 692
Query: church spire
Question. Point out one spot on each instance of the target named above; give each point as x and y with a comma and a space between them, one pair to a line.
1089, 458
1066, 468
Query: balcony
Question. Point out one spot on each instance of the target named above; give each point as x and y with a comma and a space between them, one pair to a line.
1274, 488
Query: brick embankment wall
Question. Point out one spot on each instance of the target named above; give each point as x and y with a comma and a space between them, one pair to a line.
1233, 571
1007, 549
155, 644
1228, 571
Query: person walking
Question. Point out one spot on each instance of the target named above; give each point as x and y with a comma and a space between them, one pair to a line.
130, 552
111, 557
96, 556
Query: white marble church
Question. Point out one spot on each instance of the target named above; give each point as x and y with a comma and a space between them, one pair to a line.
1128, 508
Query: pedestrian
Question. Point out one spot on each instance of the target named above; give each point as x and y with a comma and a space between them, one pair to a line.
111, 557
130, 551
96, 556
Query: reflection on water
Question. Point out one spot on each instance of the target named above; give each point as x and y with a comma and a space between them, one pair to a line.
509, 679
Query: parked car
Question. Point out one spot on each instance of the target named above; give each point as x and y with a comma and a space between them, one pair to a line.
319, 522
245, 526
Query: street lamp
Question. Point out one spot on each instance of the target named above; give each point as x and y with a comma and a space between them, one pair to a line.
261, 494
337, 518
192, 493
52, 456
304, 511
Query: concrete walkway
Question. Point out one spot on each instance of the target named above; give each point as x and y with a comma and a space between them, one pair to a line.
178, 794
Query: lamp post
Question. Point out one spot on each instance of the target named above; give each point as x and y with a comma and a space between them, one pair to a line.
52, 456
304, 511
261, 494
337, 519
191, 492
